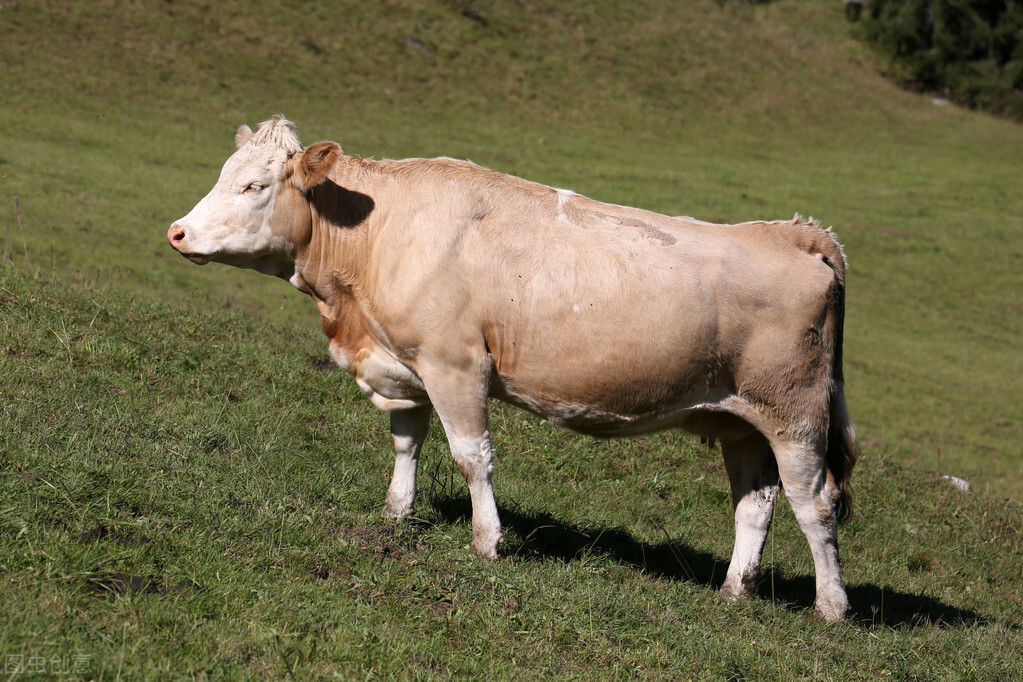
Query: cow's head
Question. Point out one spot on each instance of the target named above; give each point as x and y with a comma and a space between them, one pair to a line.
257, 212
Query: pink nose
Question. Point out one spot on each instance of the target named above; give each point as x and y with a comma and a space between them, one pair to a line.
175, 235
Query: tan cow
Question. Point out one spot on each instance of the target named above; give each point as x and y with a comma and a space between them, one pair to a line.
442, 283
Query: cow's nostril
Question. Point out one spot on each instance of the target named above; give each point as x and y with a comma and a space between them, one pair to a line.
175, 233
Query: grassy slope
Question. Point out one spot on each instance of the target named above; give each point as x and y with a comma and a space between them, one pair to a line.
116, 119
187, 493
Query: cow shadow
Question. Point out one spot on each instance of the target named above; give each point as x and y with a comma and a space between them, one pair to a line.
341, 207
542, 537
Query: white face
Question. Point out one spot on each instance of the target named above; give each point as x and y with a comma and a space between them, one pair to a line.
232, 224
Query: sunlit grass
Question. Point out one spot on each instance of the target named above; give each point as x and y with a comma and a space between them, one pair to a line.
186, 494
186, 491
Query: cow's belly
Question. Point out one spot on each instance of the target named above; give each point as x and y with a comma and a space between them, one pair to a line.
630, 409
388, 383
716, 418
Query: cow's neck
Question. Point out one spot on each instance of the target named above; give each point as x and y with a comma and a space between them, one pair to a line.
330, 263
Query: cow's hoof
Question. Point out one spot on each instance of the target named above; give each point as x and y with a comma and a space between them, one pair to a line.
830, 612
734, 590
485, 550
396, 511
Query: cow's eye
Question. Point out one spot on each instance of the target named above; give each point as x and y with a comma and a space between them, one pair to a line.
253, 188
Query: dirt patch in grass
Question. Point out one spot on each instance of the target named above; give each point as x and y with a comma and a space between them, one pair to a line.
322, 364
101, 532
121, 584
385, 540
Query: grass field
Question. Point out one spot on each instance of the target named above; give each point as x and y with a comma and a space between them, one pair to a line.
187, 493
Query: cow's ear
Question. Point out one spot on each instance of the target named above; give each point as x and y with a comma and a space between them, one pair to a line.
243, 135
315, 163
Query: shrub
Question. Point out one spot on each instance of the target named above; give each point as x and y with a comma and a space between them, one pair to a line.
969, 50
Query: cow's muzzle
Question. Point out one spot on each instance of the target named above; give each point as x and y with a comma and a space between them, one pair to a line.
176, 236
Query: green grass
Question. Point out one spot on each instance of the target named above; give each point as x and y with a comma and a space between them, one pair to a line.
117, 118
186, 492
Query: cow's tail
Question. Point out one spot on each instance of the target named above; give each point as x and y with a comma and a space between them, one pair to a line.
842, 451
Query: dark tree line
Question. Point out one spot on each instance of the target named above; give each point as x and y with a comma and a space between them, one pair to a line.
971, 51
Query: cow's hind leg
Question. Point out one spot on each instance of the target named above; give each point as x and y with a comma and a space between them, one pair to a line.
804, 477
408, 432
753, 475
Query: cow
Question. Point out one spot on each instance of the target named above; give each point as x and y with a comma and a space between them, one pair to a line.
441, 284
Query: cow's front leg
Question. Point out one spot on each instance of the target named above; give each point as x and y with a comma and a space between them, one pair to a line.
408, 432
460, 398
474, 456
